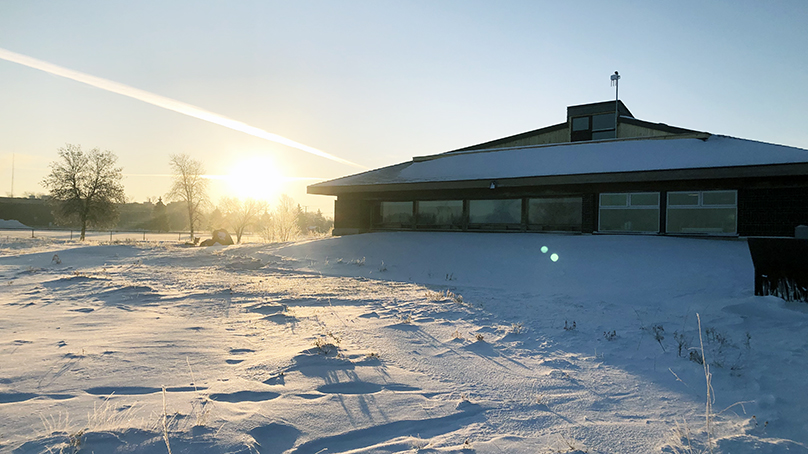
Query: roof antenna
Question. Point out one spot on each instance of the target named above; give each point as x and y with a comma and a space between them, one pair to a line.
615, 78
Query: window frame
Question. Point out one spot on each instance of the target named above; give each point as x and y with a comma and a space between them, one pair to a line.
576, 199
420, 225
629, 206
701, 206
509, 226
379, 224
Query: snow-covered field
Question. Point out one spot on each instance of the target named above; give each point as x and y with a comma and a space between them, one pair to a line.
397, 342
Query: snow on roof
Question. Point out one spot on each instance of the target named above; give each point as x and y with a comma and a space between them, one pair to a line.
607, 156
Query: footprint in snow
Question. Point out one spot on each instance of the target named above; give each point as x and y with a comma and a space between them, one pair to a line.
10, 398
244, 396
139, 390
358, 387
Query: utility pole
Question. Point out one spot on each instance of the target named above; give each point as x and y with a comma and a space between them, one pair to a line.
12, 174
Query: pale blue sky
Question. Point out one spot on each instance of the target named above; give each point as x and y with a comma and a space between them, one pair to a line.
378, 82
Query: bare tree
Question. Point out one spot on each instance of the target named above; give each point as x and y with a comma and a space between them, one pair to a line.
189, 186
285, 219
85, 187
266, 226
242, 214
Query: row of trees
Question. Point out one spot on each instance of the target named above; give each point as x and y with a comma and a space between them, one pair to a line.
283, 223
86, 190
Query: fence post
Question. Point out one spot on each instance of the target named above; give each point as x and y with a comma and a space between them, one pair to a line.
144, 235
71, 235
32, 233
110, 236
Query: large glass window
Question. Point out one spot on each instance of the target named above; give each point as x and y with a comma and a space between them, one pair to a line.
395, 214
507, 211
555, 214
629, 212
443, 214
711, 212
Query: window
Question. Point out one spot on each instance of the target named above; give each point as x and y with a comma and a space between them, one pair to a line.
508, 211
603, 126
644, 199
602, 122
629, 212
394, 215
596, 127
711, 212
555, 214
614, 200
580, 124
683, 198
440, 214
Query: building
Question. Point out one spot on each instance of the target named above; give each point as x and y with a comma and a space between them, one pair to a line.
31, 211
601, 171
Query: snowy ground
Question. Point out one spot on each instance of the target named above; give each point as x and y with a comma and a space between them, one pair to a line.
396, 342
7, 234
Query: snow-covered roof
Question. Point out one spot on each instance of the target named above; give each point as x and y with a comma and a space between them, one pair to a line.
578, 158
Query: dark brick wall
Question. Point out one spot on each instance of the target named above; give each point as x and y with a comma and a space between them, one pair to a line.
771, 211
589, 217
346, 213
351, 213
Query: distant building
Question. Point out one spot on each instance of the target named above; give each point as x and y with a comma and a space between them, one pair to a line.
31, 211
597, 172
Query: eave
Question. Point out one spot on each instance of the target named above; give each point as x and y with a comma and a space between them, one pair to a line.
706, 173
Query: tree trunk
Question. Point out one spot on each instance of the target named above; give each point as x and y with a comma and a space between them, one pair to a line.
191, 220
83, 218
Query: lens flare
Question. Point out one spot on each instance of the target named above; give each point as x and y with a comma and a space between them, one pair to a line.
554, 257
544, 249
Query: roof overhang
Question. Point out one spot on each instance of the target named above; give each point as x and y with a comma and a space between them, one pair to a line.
707, 173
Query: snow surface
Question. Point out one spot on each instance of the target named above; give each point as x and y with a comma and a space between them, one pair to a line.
581, 158
12, 224
397, 342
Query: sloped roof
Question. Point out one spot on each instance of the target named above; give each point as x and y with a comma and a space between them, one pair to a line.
702, 151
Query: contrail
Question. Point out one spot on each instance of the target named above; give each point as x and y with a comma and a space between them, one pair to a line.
166, 103
216, 177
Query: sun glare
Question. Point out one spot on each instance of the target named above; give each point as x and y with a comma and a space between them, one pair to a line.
256, 178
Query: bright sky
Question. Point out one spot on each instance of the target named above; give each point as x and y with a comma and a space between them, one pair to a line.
374, 82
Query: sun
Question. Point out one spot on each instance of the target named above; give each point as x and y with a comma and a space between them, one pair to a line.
256, 178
